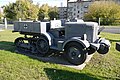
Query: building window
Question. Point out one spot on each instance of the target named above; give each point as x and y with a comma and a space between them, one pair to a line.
81, 9
77, 16
74, 9
74, 14
75, 5
78, 11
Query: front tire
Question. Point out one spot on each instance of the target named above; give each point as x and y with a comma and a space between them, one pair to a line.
75, 53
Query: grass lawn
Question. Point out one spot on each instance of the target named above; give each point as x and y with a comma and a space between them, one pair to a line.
15, 66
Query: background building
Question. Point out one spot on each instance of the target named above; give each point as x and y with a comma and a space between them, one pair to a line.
62, 11
117, 1
77, 9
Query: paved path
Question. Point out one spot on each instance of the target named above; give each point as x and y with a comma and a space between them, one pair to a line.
9, 27
115, 30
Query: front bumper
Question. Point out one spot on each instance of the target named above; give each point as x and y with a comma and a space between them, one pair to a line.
102, 46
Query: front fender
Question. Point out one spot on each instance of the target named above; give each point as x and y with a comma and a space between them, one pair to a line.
84, 43
107, 42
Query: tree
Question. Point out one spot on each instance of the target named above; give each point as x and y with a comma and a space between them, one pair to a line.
24, 9
1, 15
108, 11
10, 11
46, 8
53, 13
41, 14
46, 11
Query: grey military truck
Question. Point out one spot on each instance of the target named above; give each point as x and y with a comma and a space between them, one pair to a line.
75, 39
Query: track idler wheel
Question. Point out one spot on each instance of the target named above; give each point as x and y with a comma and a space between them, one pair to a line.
18, 43
42, 46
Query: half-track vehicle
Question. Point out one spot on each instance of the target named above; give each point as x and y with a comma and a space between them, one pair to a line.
76, 39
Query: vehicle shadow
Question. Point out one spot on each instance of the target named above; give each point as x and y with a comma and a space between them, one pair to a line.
59, 74
7, 46
54, 58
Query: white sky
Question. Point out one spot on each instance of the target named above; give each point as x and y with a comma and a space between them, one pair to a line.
50, 2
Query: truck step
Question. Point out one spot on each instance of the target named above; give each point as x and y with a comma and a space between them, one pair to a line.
54, 47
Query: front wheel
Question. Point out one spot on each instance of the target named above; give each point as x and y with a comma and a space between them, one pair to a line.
75, 53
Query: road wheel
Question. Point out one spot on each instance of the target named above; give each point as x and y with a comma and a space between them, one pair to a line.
103, 49
75, 53
42, 46
18, 43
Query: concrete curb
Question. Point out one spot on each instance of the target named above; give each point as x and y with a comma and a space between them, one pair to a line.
80, 67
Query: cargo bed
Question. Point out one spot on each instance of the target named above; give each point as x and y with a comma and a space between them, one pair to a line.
31, 27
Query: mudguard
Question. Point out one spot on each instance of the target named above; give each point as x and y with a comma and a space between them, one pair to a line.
49, 37
84, 43
107, 42
104, 46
